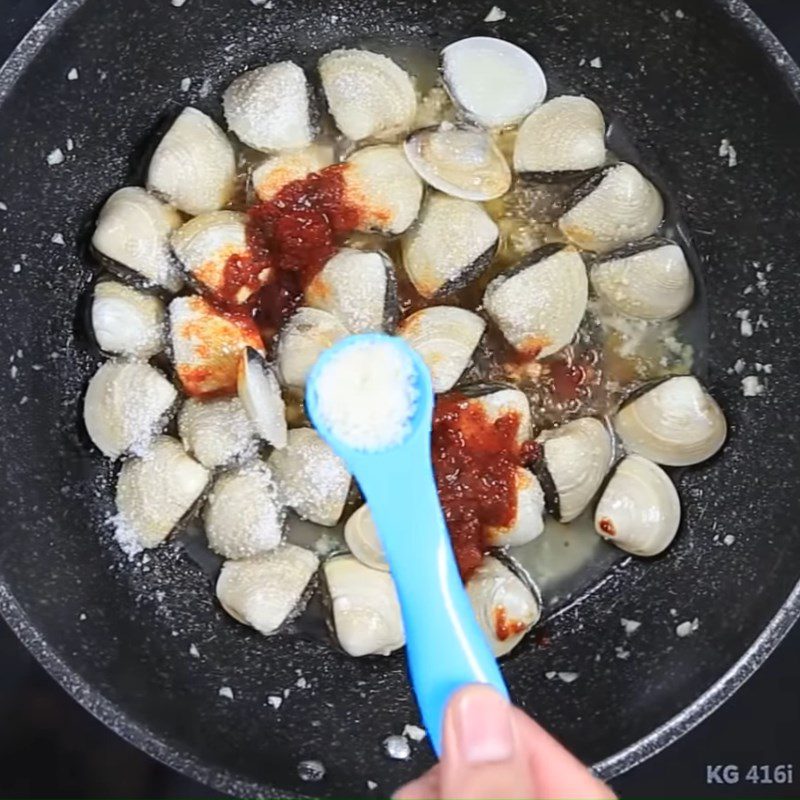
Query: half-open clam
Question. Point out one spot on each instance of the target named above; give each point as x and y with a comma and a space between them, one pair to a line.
260, 393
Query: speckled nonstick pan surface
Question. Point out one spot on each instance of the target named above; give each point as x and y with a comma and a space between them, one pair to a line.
681, 76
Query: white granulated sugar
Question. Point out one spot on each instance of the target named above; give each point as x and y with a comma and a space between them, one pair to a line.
185, 84
13, 371
23, 400
311, 770
630, 625
82, 617
581, 62
301, 683
3, 206
72, 75
57, 238
679, 14
367, 395
622, 653
746, 327
126, 537
55, 157
596, 62
274, 700
414, 732
397, 747
16, 268
550, 675
174, 633
371, 785
205, 88
727, 150
728, 539
761, 322
495, 15
177, 3
568, 677
687, 628
738, 367
70, 145
225, 691
193, 651
752, 386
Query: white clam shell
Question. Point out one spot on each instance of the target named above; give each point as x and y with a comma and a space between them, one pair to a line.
577, 456
446, 338
498, 403
265, 590
125, 405
268, 107
384, 188
452, 242
362, 538
675, 423
366, 611
313, 479
305, 336
276, 171
156, 491
460, 161
565, 134
133, 231
655, 283
127, 322
357, 287
505, 607
623, 207
528, 522
194, 166
204, 244
369, 96
244, 514
538, 306
494, 82
260, 394
639, 510
216, 432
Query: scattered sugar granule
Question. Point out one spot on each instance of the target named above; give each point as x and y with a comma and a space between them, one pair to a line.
596, 62
55, 157
550, 675
679, 14
727, 150
622, 653
630, 625
14, 371
301, 683
226, 691
728, 539
581, 62
752, 386
193, 651
70, 145
82, 617
738, 367
126, 537
371, 785
397, 747
205, 88
3, 206
673, 612
72, 75
178, 3
185, 84
414, 732
687, 628
495, 15
745, 326
311, 770
57, 238
568, 677
276, 701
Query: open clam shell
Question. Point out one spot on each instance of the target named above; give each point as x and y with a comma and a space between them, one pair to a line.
451, 244
276, 171
268, 108
359, 288
566, 134
639, 510
260, 394
193, 167
676, 422
265, 590
216, 432
369, 96
528, 521
493, 82
617, 206
539, 304
460, 161
132, 237
366, 611
446, 337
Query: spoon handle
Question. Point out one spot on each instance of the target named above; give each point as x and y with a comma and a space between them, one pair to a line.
446, 647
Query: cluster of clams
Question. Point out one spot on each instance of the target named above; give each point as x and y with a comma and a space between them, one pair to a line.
421, 169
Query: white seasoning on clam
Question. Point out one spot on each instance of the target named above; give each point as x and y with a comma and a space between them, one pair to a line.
127, 322
367, 395
217, 431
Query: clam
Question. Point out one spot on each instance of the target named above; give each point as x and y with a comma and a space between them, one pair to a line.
204, 245
528, 520
498, 400
260, 394
460, 161
369, 96
362, 538
576, 458
216, 432
305, 336
264, 591
617, 206
639, 510
650, 282
155, 492
132, 235
566, 134
446, 338
358, 288
493, 82
126, 404
194, 166
384, 187
676, 422
452, 243
539, 304
366, 611
127, 322
314, 480
505, 606
244, 515
268, 108
276, 171
206, 345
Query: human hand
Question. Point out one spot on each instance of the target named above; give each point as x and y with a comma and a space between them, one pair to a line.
491, 750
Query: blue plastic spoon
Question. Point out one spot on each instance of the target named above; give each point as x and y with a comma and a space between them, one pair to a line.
446, 647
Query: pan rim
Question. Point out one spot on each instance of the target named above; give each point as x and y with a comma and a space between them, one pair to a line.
142, 737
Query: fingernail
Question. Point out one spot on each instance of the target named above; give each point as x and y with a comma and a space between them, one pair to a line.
482, 722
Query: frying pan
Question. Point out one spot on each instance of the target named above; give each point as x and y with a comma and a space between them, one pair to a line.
117, 636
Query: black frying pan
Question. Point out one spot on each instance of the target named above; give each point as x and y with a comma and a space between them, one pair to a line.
680, 84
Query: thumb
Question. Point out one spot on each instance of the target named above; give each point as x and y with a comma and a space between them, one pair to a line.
482, 756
